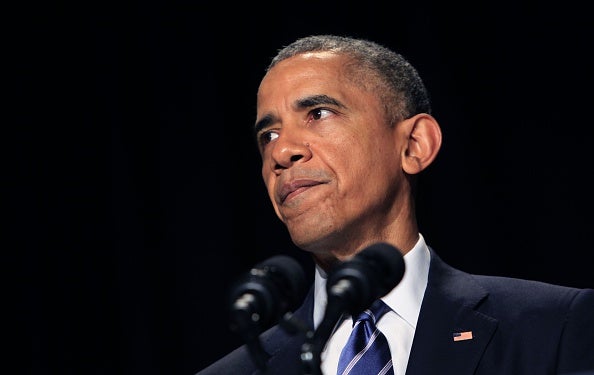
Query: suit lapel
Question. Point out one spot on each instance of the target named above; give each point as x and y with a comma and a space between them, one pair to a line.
448, 309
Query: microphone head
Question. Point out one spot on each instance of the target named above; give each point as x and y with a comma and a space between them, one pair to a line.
372, 273
388, 263
288, 276
266, 292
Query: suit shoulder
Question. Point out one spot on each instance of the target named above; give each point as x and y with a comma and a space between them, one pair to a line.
536, 294
237, 361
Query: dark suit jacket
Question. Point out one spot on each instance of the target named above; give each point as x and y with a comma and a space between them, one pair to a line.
518, 327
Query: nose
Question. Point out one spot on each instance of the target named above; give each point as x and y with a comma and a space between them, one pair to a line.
289, 148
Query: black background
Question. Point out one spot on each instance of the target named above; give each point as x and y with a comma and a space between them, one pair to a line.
133, 189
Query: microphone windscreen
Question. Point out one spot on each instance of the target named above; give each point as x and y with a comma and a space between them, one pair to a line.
388, 263
354, 284
264, 294
289, 275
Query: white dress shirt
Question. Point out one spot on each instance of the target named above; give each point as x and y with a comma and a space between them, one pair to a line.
397, 325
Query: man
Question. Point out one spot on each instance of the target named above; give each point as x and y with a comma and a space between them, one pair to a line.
344, 128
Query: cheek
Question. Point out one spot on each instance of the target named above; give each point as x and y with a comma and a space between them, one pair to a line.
269, 180
355, 156
267, 177
368, 166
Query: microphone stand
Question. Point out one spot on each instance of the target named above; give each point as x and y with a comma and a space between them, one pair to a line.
311, 350
314, 341
249, 332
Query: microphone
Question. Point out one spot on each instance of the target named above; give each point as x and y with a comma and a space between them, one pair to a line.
355, 284
261, 297
352, 286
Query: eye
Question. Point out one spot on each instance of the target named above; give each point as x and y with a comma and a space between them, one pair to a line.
266, 137
320, 114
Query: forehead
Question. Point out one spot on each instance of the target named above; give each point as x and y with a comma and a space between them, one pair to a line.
305, 74
322, 62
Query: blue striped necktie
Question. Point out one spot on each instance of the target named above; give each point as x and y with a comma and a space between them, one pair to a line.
367, 351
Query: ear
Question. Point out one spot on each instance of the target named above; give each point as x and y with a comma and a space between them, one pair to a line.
422, 135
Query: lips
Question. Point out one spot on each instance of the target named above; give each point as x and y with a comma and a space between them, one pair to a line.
295, 187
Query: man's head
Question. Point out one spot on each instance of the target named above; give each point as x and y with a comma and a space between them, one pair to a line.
342, 126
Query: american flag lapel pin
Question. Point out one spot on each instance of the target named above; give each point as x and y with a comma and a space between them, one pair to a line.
461, 336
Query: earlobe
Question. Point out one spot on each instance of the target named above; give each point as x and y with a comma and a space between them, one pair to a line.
423, 141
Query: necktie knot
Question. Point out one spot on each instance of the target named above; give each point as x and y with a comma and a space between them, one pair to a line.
373, 313
367, 350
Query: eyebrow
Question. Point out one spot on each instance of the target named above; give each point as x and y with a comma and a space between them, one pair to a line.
304, 103
311, 101
264, 122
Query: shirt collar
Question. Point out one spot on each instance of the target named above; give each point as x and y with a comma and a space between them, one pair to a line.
405, 299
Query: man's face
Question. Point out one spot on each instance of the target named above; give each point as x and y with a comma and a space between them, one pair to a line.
330, 162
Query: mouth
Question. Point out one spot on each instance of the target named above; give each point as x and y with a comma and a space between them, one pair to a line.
293, 188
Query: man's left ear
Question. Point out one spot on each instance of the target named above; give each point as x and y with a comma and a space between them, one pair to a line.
423, 141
